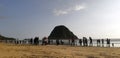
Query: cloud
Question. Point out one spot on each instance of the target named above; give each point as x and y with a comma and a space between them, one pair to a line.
79, 7
59, 12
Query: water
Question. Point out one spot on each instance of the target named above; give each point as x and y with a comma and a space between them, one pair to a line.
113, 43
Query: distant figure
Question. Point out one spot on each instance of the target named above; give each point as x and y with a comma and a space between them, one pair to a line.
62, 42
69, 41
80, 42
57, 42
44, 41
85, 42
31, 41
73, 42
49, 41
17, 42
91, 43
98, 42
112, 44
108, 42
102, 42
36, 40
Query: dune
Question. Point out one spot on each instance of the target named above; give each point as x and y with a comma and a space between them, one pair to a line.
53, 51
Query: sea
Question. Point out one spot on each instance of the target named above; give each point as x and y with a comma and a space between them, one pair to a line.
113, 43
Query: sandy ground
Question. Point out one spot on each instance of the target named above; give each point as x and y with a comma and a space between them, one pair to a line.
53, 51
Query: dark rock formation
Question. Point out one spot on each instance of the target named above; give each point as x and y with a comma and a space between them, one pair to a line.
62, 32
6, 38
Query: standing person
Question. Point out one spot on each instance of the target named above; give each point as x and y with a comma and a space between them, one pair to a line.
62, 42
98, 42
69, 41
86, 42
36, 40
83, 41
44, 41
108, 42
57, 41
49, 41
112, 44
91, 43
80, 42
31, 41
73, 42
102, 42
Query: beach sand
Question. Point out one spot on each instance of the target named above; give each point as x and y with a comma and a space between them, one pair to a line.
53, 51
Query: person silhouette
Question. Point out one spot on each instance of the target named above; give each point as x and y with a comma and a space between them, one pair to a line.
73, 42
102, 42
62, 42
80, 42
31, 41
112, 44
108, 42
57, 41
85, 42
44, 41
36, 40
98, 42
91, 43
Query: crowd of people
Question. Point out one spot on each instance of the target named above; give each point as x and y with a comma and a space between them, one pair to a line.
82, 42
73, 42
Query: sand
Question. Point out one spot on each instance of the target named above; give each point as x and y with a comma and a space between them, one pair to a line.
53, 51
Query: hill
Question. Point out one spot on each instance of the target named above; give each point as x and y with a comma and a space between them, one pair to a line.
6, 38
62, 32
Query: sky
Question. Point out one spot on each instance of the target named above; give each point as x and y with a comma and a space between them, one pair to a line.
30, 18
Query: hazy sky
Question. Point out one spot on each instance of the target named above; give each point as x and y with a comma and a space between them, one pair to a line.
29, 18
